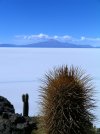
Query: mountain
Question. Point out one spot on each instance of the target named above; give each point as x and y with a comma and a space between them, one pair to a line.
7, 45
49, 44
57, 44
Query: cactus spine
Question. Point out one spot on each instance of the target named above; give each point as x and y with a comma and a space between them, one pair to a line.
25, 99
66, 101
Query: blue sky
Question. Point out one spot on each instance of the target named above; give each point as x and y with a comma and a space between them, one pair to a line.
27, 21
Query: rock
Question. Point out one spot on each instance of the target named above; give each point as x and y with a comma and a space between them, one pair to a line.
6, 106
14, 123
17, 118
5, 115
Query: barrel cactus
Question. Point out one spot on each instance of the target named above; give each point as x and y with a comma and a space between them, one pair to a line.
66, 98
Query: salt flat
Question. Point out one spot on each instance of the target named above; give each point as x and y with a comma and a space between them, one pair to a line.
22, 68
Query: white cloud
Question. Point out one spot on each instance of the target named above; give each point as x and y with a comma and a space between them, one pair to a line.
83, 38
56, 37
24, 39
90, 41
43, 36
90, 38
67, 37
31, 37
62, 38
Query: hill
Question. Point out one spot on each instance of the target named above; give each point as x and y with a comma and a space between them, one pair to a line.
50, 44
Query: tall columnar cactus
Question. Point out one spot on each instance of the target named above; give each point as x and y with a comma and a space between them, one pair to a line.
67, 101
25, 104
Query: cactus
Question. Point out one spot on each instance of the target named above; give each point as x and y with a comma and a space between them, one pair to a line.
25, 104
66, 98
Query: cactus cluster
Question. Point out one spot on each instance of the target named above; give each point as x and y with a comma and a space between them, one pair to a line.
67, 101
25, 98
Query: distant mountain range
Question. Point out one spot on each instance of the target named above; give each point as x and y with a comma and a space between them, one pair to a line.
49, 44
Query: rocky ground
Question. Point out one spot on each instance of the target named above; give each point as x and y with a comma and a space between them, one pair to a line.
13, 123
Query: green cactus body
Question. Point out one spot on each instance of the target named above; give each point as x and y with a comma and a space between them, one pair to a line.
66, 102
25, 104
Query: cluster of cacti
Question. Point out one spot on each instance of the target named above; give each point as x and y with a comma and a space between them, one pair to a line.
25, 98
67, 101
